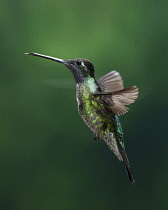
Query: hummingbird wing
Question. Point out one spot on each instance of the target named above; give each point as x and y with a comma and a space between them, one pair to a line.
121, 98
112, 82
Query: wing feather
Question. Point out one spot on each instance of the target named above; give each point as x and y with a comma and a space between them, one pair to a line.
119, 99
112, 82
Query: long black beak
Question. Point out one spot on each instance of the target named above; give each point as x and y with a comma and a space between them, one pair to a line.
47, 57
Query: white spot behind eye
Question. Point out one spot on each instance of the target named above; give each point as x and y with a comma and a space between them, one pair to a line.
82, 64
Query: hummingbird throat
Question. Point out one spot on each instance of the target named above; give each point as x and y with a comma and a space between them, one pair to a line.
90, 83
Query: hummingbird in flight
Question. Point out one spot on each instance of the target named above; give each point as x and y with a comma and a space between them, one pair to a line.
100, 102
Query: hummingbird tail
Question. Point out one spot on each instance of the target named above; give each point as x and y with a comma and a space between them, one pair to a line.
129, 172
127, 166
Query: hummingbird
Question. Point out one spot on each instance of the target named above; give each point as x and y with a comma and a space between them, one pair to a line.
100, 102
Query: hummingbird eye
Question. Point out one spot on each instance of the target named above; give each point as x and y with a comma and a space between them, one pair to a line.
78, 63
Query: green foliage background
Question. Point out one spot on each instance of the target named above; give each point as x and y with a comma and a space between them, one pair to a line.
48, 158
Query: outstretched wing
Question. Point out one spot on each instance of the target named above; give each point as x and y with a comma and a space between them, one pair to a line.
112, 82
121, 98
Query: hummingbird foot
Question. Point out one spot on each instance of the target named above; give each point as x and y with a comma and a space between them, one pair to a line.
96, 137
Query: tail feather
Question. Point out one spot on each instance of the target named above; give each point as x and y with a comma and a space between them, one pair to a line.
129, 171
127, 165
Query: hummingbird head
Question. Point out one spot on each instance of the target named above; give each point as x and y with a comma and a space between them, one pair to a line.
81, 68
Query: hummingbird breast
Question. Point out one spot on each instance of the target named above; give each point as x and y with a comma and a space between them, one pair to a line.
96, 115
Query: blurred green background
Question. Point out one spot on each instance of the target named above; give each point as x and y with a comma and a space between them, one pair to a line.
48, 158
